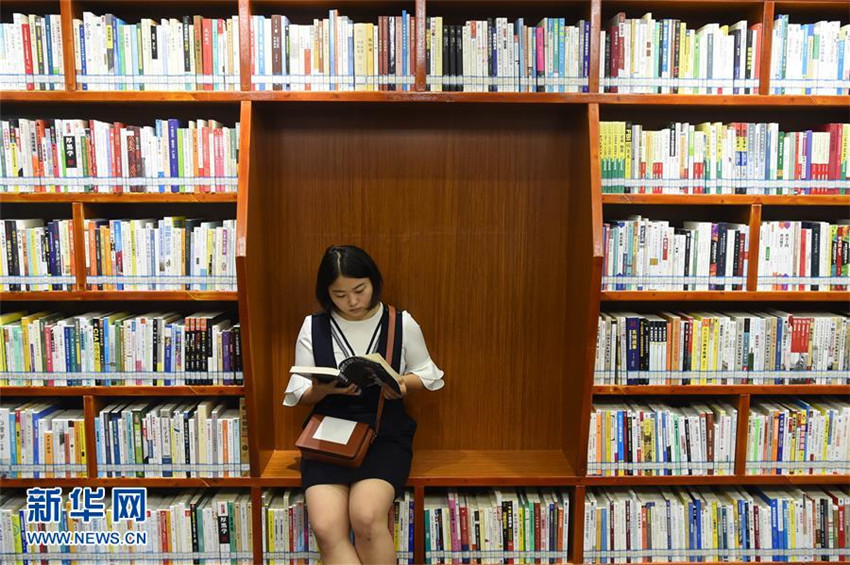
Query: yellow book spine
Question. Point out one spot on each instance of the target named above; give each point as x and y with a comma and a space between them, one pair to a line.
48, 453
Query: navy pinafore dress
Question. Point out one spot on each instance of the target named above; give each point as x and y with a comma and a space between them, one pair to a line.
390, 455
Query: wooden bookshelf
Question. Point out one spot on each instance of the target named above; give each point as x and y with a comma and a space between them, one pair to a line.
125, 198
838, 297
726, 200
718, 390
484, 211
153, 391
119, 295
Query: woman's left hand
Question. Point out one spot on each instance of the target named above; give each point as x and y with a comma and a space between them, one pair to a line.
390, 394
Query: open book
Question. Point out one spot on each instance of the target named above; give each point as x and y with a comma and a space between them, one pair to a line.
362, 370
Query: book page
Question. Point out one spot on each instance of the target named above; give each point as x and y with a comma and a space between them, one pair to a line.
335, 430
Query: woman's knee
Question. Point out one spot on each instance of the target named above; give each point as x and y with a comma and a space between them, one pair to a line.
329, 529
367, 521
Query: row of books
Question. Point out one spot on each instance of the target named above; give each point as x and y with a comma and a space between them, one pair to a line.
200, 525
333, 53
41, 440
173, 253
31, 55
119, 349
716, 524
722, 348
794, 436
718, 158
651, 439
810, 58
289, 539
804, 255
75, 155
644, 254
496, 55
34, 253
190, 53
646, 55
181, 439
522, 525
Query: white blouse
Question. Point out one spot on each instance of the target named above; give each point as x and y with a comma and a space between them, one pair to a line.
414, 354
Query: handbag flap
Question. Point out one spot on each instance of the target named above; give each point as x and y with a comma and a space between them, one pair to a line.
361, 434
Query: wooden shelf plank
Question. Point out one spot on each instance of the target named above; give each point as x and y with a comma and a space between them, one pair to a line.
724, 296
718, 390
727, 199
8, 391
413, 96
123, 198
128, 482
491, 468
786, 480
121, 96
466, 468
127, 296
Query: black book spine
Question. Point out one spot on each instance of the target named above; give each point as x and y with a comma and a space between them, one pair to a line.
453, 57
644, 349
237, 350
686, 351
491, 54
155, 343
736, 258
460, 81
194, 521
98, 254
447, 64
722, 233
391, 49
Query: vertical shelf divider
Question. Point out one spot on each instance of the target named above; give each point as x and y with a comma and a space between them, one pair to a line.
755, 232
741, 435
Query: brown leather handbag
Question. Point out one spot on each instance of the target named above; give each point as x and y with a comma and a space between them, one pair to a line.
353, 453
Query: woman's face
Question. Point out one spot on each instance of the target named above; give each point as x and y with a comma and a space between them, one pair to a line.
351, 297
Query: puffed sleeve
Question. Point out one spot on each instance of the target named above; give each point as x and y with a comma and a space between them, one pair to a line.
417, 360
303, 357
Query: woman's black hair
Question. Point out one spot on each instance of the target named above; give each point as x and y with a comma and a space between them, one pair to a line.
347, 261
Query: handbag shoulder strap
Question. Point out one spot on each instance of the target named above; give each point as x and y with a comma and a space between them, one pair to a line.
388, 355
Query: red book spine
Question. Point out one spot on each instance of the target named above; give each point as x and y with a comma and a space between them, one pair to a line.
207, 53
26, 45
218, 141
205, 170
117, 167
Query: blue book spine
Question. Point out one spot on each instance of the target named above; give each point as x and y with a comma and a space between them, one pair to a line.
698, 521
780, 443
116, 453
83, 55
332, 47
173, 124
98, 443
349, 30
49, 70
260, 30
405, 41
632, 350
662, 52
13, 457
586, 57
116, 230
840, 75
118, 53
809, 30
808, 149
620, 436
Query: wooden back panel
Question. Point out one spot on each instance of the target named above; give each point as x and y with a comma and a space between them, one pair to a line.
465, 210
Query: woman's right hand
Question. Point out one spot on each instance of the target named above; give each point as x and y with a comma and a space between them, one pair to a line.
330, 388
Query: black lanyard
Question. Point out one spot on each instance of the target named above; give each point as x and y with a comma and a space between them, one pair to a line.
345, 346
